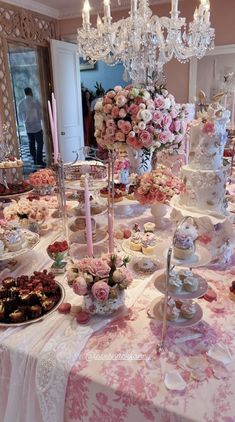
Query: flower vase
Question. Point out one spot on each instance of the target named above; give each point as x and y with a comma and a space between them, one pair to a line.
124, 176
140, 160
59, 266
96, 307
158, 211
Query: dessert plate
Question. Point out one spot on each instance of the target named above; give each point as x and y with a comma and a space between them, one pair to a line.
145, 267
33, 320
79, 237
200, 258
79, 212
127, 249
30, 241
159, 283
155, 313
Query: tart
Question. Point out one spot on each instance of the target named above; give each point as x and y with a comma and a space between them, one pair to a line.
145, 266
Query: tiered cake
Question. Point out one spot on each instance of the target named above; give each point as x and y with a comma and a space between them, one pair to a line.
205, 175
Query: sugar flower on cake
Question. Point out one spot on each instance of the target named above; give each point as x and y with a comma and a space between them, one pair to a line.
158, 186
102, 278
141, 118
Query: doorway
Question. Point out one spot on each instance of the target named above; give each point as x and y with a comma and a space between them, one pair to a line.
29, 67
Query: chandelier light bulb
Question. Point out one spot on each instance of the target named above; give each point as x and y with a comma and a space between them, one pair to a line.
99, 21
86, 14
107, 13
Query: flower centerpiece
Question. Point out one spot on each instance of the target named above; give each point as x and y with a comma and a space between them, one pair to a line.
43, 181
156, 189
145, 119
58, 251
101, 281
29, 214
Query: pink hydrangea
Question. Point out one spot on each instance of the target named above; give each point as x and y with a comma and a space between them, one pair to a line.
100, 291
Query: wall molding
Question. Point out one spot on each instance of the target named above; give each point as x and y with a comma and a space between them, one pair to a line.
35, 6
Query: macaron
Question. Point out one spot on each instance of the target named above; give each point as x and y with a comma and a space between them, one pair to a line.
83, 317
64, 308
210, 295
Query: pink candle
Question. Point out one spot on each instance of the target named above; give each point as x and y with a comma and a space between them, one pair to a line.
110, 231
51, 124
88, 220
56, 146
233, 112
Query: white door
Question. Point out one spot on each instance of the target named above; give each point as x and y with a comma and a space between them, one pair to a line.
67, 86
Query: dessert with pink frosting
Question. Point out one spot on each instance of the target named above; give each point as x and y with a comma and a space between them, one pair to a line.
149, 242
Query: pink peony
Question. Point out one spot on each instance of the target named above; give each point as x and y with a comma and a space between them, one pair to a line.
100, 291
167, 120
80, 286
164, 137
120, 137
134, 142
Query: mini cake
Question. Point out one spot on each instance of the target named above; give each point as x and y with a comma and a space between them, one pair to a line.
191, 284
184, 240
188, 310
149, 242
136, 242
183, 274
13, 240
232, 291
149, 227
172, 313
121, 187
104, 192
175, 284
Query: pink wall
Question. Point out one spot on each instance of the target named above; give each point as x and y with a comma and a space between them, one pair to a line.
177, 74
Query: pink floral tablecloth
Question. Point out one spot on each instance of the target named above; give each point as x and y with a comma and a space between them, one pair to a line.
118, 376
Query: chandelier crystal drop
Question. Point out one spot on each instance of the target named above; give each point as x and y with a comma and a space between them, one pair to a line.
144, 42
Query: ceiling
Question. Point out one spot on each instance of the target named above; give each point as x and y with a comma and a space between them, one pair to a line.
71, 8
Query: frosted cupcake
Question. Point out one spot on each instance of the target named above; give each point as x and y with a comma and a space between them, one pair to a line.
135, 242
175, 284
191, 284
149, 227
184, 240
149, 243
188, 310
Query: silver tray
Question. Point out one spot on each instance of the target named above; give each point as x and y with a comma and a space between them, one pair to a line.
31, 240
32, 321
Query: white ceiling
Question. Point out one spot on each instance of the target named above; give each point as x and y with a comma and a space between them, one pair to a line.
71, 8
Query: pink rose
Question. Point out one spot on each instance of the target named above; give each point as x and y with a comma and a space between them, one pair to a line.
121, 100
115, 112
177, 125
126, 127
111, 94
164, 137
133, 109
80, 286
159, 102
107, 108
100, 291
122, 113
110, 123
99, 268
167, 120
174, 113
145, 137
120, 137
134, 142
150, 129
110, 131
157, 116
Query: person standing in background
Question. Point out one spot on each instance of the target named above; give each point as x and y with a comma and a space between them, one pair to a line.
30, 113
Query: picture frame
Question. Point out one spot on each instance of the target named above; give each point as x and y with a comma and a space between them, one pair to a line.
207, 74
85, 65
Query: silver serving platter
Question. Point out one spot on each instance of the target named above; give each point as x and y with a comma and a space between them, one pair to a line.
33, 320
31, 240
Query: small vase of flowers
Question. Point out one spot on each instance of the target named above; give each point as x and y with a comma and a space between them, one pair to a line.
43, 181
101, 281
58, 251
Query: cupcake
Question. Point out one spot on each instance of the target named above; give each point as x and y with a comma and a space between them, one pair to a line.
191, 284
172, 313
135, 242
184, 240
149, 227
188, 310
149, 242
232, 291
183, 274
175, 284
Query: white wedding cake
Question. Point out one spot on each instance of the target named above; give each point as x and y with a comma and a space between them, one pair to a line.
205, 175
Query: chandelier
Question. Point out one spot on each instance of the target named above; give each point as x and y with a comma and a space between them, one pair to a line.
144, 42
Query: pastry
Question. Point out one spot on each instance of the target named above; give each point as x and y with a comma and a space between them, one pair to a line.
149, 242
8, 282
48, 304
172, 312
34, 311
3, 292
2, 311
149, 227
188, 310
17, 316
232, 291
135, 242
183, 274
191, 284
175, 284
184, 240
104, 192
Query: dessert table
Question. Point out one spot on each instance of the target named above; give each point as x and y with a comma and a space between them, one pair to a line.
108, 370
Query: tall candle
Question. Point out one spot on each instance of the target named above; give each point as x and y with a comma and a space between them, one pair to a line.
51, 124
174, 6
86, 13
110, 231
233, 112
133, 7
88, 220
56, 144
107, 9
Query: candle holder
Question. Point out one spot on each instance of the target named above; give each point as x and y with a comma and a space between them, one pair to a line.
61, 197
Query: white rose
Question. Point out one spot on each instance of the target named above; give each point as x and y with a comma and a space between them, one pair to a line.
142, 106
131, 134
167, 103
142, 126
146, 95
157, 144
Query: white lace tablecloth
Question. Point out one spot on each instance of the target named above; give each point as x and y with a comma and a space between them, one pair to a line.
57, 370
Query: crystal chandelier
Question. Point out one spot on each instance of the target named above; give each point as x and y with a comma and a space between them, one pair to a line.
144, 42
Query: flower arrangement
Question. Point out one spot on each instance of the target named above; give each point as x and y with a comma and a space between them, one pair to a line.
158, 186
57, 251
103, 279
33, 211
141, 118
41, 178
120, 165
